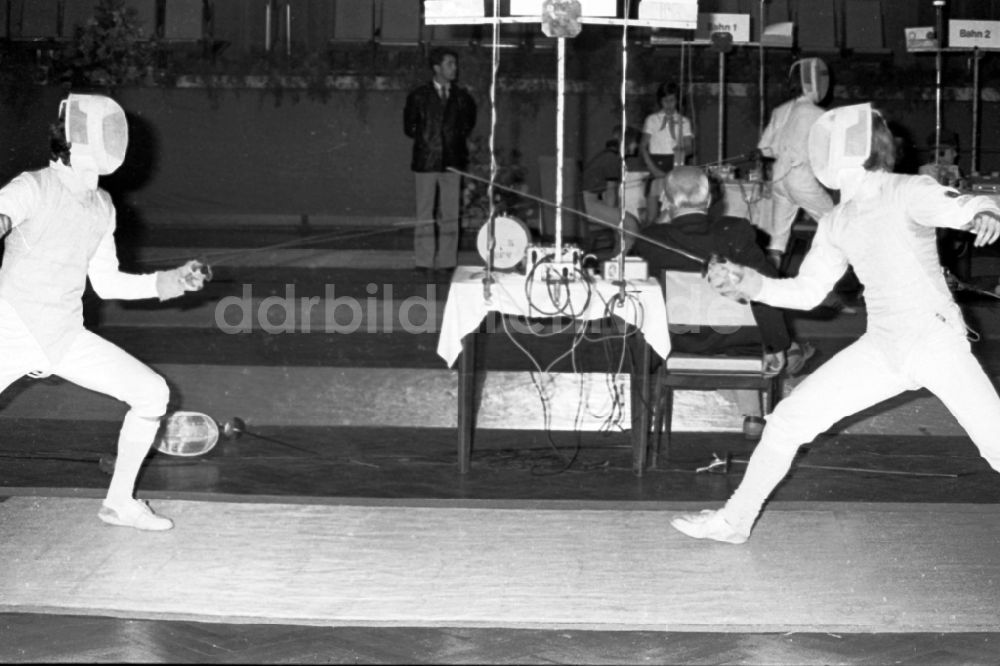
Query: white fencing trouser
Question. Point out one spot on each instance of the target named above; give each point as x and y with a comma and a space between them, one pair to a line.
860, 376
797, 188
96, 364
445, 188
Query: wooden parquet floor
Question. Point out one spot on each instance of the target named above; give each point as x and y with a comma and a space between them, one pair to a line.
40, 638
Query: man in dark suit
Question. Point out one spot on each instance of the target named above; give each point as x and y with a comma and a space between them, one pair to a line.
438, 116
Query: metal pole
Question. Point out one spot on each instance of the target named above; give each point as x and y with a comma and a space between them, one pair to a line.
760, 84
939, 34
975, 110
560, 111
722, 103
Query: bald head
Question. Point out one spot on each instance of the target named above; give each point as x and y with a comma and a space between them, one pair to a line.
687, 187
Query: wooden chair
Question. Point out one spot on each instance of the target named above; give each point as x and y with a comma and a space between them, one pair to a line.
692, 304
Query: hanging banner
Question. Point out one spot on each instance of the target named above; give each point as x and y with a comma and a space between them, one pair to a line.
442, 12
737, 25
677, 14
587, 7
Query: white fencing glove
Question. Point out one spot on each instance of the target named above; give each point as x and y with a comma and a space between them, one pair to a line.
740, 283
189, 277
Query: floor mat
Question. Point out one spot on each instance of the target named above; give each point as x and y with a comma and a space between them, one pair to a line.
842, 567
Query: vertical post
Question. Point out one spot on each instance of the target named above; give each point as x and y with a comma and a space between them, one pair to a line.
267, 26
939, 34
760, 84
975, 110
560, 112
288, 29
722, 103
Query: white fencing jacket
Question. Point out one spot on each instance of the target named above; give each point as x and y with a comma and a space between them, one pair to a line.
61, 234
887, 233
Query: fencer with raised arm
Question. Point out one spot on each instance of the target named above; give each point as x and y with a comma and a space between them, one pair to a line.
884, 226
59, 229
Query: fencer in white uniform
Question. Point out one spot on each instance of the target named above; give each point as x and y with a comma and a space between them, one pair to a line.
884, 226
58, 227
785, 139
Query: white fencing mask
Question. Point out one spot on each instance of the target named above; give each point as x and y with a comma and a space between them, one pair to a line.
188, 434
840, 142
814, 77
97, 134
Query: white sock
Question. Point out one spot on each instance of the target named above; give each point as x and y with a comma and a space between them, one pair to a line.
134, 440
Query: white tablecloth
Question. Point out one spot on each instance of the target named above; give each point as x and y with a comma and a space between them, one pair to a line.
467, 306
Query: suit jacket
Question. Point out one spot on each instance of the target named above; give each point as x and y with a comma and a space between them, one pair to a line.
732, 238
439, 129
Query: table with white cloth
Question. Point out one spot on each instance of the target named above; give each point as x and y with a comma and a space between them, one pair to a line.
466, 309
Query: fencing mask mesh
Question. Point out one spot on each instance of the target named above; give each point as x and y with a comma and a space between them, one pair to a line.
97, 132
840, 143
814, 77
188, 434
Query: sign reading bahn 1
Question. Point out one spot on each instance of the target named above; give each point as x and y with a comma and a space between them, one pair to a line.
737, 25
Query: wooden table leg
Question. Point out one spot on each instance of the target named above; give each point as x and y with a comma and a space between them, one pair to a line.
466, 400
641, 397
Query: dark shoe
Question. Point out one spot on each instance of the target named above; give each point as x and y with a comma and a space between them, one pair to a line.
753, 427
797, 356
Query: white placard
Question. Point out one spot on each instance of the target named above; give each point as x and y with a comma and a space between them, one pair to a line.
680, 14
921, 39
454, 9
587, 7
738, 25
970, 34
526, 8
598, 8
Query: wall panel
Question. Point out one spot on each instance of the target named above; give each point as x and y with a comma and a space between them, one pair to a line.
816, 21
182, 20
863, 26
354, 21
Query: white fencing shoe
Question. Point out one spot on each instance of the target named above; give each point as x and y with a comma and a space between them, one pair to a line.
707, 524
137, 514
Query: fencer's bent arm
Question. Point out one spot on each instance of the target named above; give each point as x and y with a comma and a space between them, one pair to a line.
109, 281
766, 143
931, 204
823, 265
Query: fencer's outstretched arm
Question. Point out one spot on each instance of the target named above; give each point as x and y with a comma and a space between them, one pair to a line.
111, 283
934, 205
823, 265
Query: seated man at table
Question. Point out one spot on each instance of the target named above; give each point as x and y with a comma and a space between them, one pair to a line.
686, 224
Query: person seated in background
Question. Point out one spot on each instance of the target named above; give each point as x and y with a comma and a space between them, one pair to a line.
667, 140
954, 247
943, 166
600, 182
686, 224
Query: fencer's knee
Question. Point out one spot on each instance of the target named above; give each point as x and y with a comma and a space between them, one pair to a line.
150, 398
790, 425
